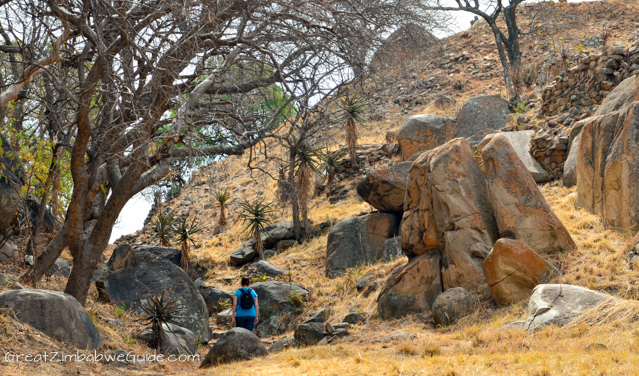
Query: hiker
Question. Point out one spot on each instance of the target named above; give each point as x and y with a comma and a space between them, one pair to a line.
245, 307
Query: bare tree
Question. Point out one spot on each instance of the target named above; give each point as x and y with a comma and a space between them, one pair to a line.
508, 40
133, 86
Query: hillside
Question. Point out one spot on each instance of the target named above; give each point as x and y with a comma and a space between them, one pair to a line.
462, 66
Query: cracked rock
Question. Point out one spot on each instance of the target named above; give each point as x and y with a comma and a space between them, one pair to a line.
560, 304
513, 269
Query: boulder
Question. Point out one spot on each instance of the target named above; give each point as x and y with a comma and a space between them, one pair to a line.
309, 334
275, 297
273, 325
265, 268
570, 166
285, 244
9, 253
412, 287
235, 345
447, 209
13, 174
320, 316
364, 281
520, 141
244, 254
452, 305
521, 211
55, 314
130, 276
608, 167
385, 188
479, 136
173, 255
177, 340
270, 237
482, 112
392, 249
358, 240
560, 304
225, 317
214, 298
621, 97
354, 318
425, 132
513, 270
281, 345
60, 268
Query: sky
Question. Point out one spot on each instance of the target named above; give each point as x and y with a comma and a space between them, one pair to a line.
132, 217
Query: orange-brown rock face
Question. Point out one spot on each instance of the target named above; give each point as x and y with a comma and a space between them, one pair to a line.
425, 132
520, 208
608, 167
513, 269
385, 188
412, 287
447, 208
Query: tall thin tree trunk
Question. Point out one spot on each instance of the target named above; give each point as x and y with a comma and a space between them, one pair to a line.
297, 228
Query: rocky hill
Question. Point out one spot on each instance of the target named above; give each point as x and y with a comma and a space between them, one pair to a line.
461, 245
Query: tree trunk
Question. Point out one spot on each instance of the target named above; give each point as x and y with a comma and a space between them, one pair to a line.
49, 255
297, 228
85, 263
502, 57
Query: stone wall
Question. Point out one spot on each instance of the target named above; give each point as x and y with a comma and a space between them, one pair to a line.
550, 148
584, 86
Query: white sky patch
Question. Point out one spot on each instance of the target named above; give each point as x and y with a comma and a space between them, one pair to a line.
131, 218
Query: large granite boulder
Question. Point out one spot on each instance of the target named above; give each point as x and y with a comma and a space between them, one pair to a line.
358, 240
482, 112
235, 345
560, 304
13, 174
385, 188
130, 276
425, 132
270, 237
412, 287
447, 209
513, 269
276, 298
608, 167
623, 96
55, 314
520, 141
177, 340
521, 211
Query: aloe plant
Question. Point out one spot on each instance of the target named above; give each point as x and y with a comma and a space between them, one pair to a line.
256, 217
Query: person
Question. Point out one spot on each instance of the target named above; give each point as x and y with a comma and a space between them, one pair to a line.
245, 306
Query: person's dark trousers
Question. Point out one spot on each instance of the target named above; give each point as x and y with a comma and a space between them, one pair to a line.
246, 322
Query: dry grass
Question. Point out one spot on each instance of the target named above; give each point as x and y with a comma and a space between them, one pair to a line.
473, 346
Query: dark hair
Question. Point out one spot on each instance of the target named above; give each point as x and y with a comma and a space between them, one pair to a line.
246, 281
